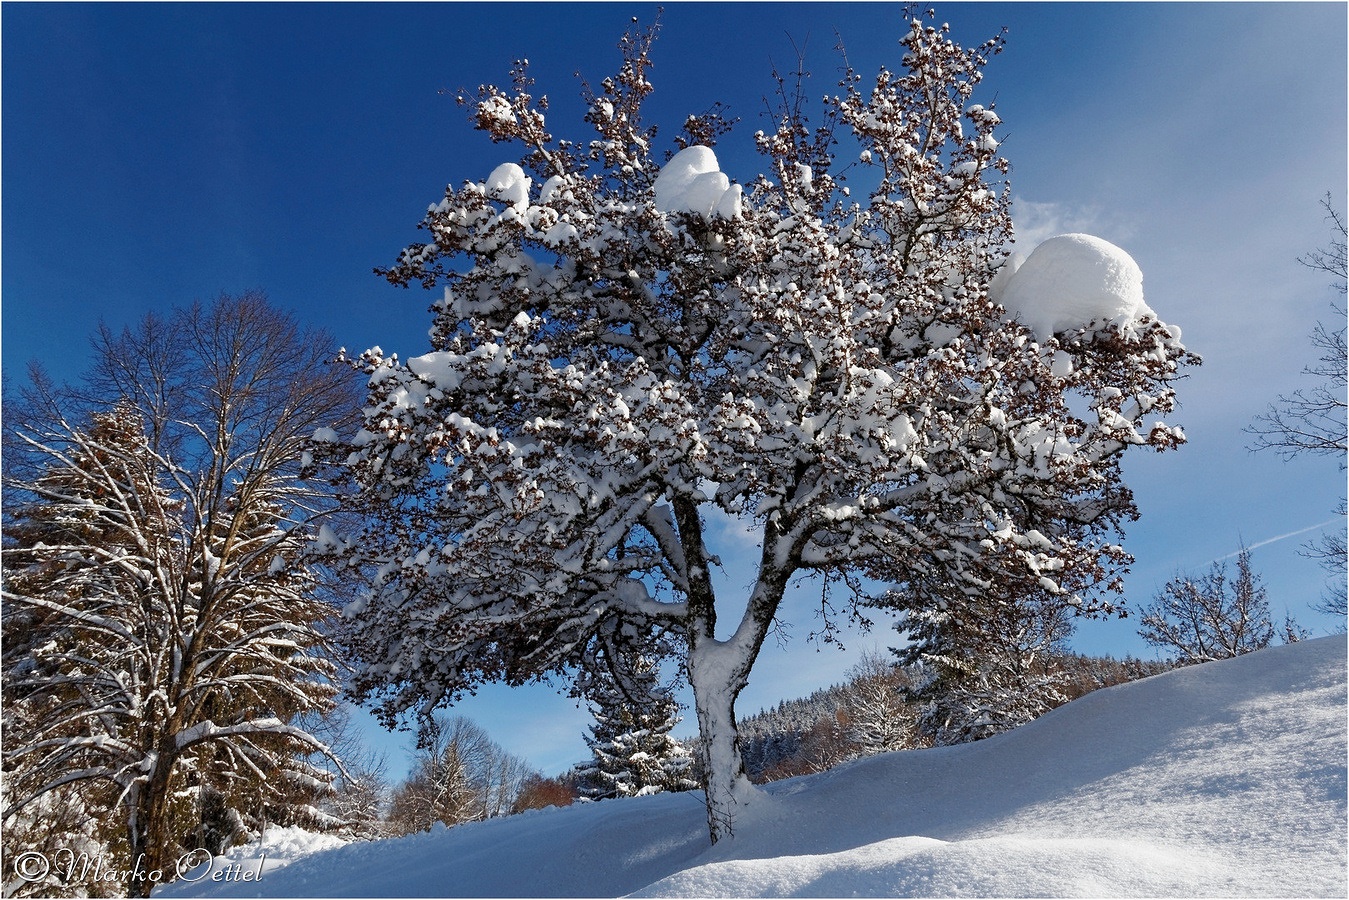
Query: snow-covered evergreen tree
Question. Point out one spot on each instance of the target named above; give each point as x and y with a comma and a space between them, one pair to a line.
162, 632
986, 666
632, 749
627, 341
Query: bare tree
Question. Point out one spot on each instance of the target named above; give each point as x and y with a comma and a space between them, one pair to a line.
358, 804
460, 775
1210, 617
538, 792
163, 633
1312, 421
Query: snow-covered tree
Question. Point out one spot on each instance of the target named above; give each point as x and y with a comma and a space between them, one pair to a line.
627, 343
632, 750
162, 632
879, 718
1211, 616
985, 666
796, 737
59, 822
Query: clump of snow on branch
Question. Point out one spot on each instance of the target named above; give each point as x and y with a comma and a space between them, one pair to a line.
693, 182
1071, 281
508, 182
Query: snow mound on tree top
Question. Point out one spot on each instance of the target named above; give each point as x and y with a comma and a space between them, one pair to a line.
1071, 281
693, 182
508, 182
1223, 779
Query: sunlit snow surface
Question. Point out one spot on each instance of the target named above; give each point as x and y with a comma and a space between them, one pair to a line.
1226, 779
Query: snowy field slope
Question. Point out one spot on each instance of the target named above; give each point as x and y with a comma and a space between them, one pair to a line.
1227, 779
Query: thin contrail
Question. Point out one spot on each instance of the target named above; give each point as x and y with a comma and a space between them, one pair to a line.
1280, 538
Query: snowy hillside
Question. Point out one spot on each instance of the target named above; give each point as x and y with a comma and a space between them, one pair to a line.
1226, 779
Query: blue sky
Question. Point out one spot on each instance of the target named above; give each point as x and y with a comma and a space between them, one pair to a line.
154, 154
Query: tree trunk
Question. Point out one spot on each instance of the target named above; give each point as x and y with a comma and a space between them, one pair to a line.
718, 674
719, 670
151, 861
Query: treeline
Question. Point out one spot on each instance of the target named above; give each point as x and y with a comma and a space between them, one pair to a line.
459, 774
879, 709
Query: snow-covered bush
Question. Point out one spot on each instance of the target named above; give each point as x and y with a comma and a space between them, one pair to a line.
638, 340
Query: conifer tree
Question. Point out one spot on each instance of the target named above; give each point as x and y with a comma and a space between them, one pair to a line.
984, 666
633, 751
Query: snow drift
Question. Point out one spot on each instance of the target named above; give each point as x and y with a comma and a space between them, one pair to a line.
1226, 779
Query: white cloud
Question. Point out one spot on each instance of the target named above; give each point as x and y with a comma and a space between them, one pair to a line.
1036, 221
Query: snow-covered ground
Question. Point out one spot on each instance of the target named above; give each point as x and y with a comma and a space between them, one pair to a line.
1227, 779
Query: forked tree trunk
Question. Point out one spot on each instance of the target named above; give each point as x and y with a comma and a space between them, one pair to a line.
719, 670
